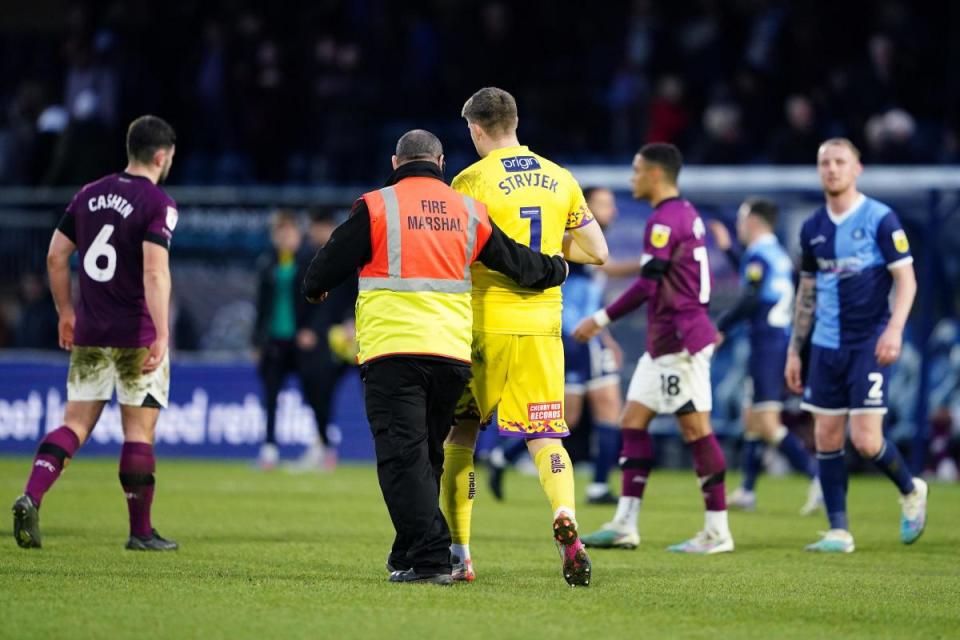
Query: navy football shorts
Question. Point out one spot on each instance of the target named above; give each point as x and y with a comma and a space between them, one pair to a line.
767, 361
588, 366
845, 380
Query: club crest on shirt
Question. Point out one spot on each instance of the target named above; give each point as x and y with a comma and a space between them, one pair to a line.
659, 235
900, 240
172, 218
754, 272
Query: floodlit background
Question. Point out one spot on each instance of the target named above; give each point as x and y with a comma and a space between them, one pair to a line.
297, 105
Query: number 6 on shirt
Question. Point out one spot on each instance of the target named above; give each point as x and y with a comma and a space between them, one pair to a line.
101, 248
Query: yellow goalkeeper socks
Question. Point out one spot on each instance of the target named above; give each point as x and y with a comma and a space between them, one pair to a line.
556, 477
457, 489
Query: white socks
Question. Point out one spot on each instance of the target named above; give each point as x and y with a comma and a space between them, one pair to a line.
628, 511
716, 522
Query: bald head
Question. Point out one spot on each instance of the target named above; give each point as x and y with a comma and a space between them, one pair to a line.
418, 144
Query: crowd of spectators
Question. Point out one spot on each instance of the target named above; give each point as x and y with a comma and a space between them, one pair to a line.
310, 92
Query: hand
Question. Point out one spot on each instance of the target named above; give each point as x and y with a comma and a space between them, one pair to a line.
306, 339
155, 354
792, 373
889, 345
318, 299
65, 328
720, 235
588, 328
720, 339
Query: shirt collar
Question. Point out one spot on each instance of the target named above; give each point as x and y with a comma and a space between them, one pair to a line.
764, 238
415, 169
509, 151
843, 216
130, 176
665, 201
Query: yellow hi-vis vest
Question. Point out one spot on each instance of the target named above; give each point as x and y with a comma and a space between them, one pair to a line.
415, 292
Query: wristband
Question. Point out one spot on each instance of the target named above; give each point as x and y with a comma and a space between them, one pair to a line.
601, 318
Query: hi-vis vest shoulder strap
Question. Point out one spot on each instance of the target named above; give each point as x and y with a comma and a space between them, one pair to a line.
424, 236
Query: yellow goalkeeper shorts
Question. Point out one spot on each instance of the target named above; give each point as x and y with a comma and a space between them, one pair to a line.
521, 377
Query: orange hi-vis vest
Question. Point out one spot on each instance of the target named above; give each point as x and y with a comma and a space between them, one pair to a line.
415, 292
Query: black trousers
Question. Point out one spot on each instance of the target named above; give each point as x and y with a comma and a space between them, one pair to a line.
410, 404
318, 373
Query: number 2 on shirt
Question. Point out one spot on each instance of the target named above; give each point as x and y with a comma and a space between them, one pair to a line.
533, 214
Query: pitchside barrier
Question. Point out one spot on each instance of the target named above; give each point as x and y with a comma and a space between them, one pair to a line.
222, 230
214, 411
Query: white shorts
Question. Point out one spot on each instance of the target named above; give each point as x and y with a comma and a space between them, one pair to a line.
96, 371
673, 382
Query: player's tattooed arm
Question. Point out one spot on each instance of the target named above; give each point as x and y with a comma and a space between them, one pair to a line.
802, 325
803, 314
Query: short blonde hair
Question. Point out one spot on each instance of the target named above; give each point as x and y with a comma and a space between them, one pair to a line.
843, 142
493, 109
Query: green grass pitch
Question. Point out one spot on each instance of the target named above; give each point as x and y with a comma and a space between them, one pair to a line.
275, 555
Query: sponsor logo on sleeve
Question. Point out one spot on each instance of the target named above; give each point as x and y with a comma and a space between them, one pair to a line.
660, 235
172, 218
698, 229
900, 241
579, 218
520, 163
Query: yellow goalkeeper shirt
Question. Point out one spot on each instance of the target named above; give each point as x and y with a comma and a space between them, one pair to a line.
533, 200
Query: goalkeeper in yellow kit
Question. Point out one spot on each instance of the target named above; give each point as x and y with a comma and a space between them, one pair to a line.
517, 347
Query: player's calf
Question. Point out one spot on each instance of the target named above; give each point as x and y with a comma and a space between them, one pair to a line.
53, 455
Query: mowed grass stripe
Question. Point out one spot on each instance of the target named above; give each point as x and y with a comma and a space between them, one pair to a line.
278, 555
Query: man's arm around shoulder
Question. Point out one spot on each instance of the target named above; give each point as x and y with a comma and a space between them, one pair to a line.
527, 267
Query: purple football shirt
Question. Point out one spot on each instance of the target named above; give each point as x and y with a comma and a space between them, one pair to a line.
109, 220
676, 303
